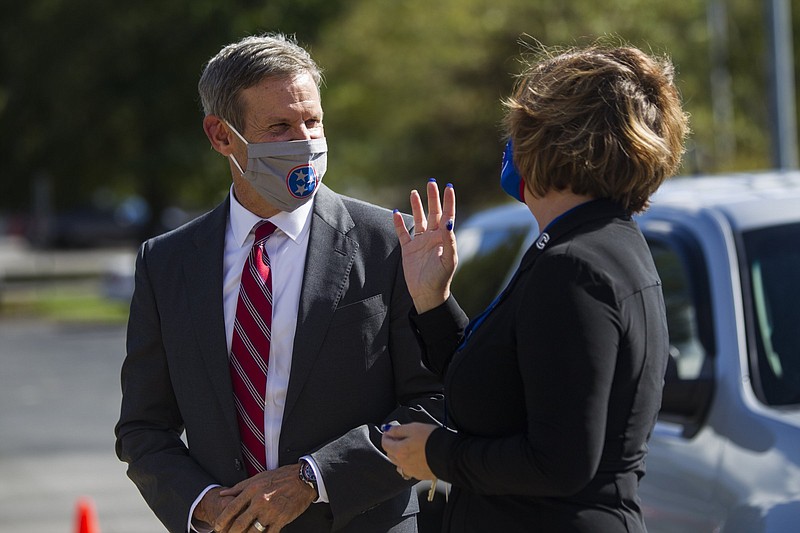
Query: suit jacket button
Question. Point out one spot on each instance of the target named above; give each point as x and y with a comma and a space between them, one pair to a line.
238, 464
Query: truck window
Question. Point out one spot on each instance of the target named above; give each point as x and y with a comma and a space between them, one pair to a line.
686, 350
487, 257
773, 266
689, 383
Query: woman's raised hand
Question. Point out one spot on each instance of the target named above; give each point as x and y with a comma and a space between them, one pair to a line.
429, 256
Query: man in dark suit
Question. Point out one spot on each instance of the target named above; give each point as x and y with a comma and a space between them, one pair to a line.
341, 358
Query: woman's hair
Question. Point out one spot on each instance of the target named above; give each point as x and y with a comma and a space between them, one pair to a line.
601, 121
243, 64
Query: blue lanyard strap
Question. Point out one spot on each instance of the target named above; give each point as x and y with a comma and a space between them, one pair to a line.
539, 243
478, 320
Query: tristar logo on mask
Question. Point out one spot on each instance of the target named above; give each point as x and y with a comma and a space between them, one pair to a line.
302, 181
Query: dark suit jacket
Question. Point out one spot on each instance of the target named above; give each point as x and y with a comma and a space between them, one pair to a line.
554, 395
355, 365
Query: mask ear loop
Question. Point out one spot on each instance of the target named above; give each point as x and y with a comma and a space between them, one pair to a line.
235, 162
234, 130
232, 158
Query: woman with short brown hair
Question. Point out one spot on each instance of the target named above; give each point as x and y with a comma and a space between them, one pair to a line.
552, 392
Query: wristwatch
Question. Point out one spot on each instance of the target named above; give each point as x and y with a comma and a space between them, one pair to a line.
307, 475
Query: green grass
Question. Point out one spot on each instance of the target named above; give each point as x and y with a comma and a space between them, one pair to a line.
65, 305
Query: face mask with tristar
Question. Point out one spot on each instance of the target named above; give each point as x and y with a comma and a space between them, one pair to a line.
286, 174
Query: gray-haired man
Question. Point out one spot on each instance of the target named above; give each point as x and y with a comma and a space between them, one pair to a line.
326, 330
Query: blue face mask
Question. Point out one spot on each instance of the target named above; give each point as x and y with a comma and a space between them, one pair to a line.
510, 179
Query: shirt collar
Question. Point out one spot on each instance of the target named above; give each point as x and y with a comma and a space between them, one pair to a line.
294, 224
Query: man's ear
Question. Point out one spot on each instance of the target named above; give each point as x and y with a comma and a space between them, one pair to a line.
218, 134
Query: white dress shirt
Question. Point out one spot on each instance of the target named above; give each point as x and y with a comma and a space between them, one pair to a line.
287, 248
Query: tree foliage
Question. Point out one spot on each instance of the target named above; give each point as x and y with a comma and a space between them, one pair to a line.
415, 88
103, 95
97, 94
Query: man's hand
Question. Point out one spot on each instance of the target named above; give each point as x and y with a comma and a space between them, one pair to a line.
211, 506
274, 498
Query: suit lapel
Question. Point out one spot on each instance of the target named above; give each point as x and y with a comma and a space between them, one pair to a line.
203, 272
330, 256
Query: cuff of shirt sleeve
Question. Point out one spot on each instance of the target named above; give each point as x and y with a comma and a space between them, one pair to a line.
428, 324
323, 494
439, 450
194, 525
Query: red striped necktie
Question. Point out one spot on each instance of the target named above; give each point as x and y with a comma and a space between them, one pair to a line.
249, 358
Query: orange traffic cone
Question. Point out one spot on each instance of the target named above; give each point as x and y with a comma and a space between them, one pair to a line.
86, 517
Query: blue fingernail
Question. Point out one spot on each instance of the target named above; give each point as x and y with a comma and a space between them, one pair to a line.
395, 211
450, 185
449, 225
431, 179
386, 427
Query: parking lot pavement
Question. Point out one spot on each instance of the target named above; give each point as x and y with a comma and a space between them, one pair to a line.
59, 401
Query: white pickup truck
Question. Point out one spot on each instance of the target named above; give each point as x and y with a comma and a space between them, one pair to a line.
725, 454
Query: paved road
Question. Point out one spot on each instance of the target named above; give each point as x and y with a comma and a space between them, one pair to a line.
59, 401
